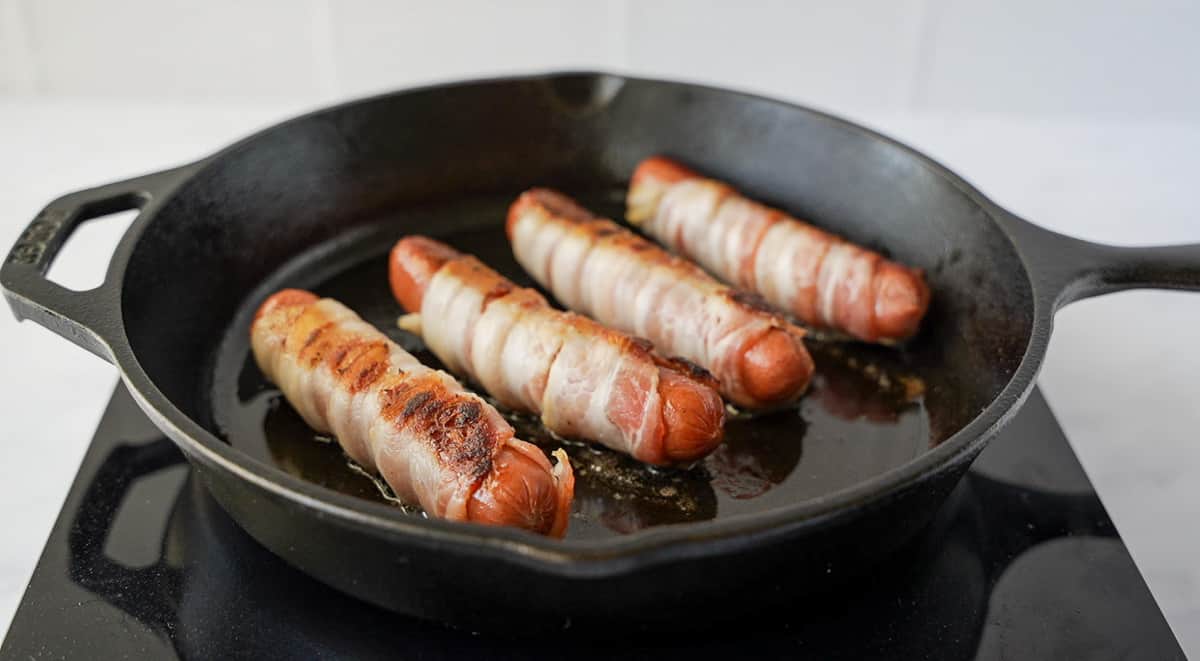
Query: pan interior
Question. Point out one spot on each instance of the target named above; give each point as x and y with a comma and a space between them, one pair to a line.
863, 417
318, 201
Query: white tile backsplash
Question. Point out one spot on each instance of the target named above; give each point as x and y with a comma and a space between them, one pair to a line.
856, 57
379, 46
1040, 57
842, 56
173, 49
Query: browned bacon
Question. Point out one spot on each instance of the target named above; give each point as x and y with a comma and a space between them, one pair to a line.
433, 442
602, 270
584, 380
825, 281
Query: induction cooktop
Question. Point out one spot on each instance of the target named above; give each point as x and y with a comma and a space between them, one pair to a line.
1022, 562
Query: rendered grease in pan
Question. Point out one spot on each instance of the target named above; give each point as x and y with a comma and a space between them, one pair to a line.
864, 415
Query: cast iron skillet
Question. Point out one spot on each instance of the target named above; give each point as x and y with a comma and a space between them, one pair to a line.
316, 200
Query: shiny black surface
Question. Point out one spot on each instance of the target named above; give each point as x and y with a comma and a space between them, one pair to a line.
1022, 562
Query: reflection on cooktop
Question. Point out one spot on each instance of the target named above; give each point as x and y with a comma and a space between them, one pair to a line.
1022, 562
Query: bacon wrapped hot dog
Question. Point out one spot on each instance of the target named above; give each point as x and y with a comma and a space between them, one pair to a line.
609, 273
433, 442
823, 280
584, 380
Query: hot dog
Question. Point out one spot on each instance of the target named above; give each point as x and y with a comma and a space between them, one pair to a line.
584, 380
433, 442
598, 268
825, 281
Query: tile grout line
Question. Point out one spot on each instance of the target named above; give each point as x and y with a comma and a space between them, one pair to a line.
325, 68
20, 37
927, 29
619, 50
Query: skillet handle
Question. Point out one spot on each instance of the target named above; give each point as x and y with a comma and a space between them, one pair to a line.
83, 317
1069, 269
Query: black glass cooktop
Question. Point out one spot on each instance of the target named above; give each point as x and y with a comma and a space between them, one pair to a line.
1021, 563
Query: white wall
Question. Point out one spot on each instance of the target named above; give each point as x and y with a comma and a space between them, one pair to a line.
1103, 58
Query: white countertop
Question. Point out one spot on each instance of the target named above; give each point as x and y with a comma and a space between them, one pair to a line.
1120, 374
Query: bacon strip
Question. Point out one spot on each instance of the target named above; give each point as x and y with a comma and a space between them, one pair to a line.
825, 281
598, 268
584, 380
433, 442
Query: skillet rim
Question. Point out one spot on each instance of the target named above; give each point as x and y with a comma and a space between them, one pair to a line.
568, 557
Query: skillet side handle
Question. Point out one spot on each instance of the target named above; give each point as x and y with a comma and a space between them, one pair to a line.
83, 317
1069, 269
